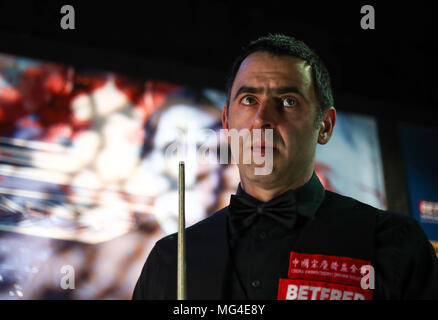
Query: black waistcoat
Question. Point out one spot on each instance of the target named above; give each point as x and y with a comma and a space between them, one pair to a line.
342, 227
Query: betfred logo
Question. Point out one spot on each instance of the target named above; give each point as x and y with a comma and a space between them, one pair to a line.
294, 289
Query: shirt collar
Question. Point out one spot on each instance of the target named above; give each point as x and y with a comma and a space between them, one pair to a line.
309, 196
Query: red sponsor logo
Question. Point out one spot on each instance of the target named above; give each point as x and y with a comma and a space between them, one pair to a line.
294, 289
342, 270
321, 277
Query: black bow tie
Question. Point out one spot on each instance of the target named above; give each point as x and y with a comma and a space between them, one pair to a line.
244, 211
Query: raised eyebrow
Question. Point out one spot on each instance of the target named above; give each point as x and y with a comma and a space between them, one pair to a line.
283, 90
246, 89
280, 90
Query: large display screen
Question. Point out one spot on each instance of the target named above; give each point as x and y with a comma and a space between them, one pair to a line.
420, 154
87, 185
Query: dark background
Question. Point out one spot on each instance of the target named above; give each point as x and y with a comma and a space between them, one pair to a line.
388, 72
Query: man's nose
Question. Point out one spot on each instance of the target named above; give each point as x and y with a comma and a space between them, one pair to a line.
265, 116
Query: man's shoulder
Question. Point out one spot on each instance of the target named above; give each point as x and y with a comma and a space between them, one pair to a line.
383, 217
343, 204
198, 228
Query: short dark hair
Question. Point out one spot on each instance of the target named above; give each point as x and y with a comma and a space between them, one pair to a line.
282, 45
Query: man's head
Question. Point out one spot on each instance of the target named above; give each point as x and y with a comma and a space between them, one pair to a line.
280, 84
281, 45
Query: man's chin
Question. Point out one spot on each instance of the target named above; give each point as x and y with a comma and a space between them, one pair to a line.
259, 173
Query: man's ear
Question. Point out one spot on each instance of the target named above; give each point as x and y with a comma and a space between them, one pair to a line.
327, 124
224, 117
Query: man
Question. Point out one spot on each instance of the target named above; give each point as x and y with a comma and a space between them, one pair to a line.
283, 236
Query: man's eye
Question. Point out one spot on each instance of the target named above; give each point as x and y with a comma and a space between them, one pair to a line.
290, 102
248, 100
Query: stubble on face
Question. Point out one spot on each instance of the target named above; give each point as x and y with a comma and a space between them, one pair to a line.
295, 132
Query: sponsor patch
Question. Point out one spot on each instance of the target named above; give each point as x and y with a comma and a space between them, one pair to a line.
322, 277
342, 270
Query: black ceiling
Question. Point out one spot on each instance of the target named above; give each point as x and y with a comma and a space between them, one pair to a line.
391, 70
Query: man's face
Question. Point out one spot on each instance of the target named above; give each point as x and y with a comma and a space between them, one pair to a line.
276, 92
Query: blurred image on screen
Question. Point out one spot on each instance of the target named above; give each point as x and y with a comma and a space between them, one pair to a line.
86, 179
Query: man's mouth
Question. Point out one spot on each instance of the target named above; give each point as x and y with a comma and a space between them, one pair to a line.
261, 148
262, 144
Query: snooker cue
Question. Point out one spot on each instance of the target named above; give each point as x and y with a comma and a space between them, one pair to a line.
181, 285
